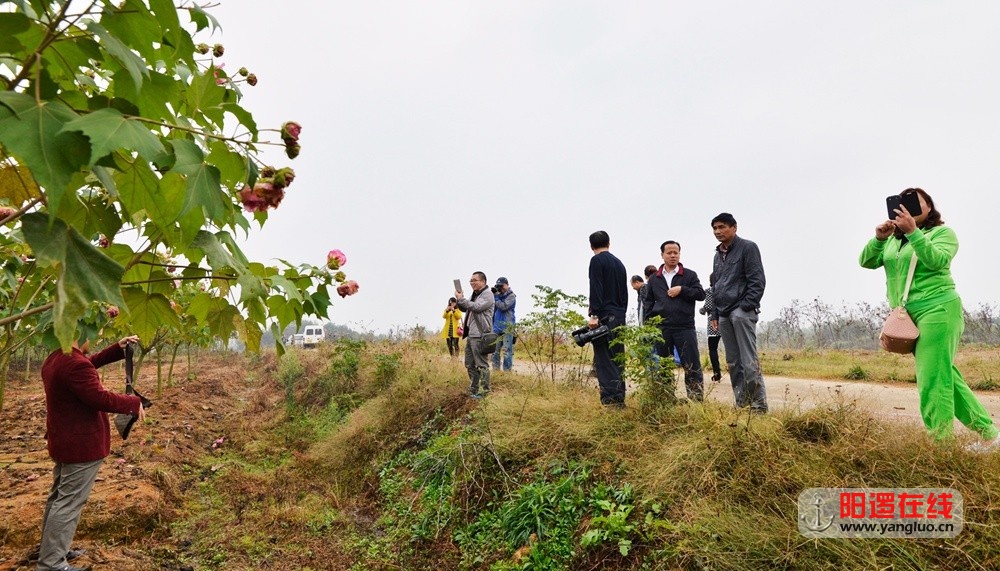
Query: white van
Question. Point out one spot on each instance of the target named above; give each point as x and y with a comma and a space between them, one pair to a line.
313, 335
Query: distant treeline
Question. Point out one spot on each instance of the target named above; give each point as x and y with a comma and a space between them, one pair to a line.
857, 326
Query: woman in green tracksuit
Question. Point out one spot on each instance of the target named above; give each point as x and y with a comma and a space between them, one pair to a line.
936, 309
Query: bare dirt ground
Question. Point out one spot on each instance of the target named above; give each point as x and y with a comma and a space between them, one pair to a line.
123, 522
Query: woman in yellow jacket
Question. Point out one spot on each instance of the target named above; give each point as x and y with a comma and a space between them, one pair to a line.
452, 331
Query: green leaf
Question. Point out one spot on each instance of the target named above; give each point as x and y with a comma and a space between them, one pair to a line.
204, 96
66, 59
215, 312
85, 274
108, 131
201, 18
226, 239
90, 214
204, 188
243, 116
251, 287
135, 26
121, 53
153, 99
32, 132
177, 43
284, 310
218, 257
231, 164
140, 190
149, 312
287, 287
11, 24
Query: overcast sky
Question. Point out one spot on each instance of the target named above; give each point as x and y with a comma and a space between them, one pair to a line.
440, 138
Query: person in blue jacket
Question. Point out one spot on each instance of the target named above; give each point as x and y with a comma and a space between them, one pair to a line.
503, 323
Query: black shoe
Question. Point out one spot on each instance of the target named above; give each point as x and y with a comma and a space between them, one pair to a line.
70, 555
717, 377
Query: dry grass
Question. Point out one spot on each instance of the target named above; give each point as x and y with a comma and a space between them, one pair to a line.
979, 365
728, 482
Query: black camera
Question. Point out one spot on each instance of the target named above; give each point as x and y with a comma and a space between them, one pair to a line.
585, 335
495, 290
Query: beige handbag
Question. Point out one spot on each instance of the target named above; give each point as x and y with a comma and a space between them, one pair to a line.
899, 333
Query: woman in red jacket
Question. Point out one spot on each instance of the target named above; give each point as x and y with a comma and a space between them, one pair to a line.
79, 438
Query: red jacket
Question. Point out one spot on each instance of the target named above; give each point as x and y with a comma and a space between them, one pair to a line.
76, 405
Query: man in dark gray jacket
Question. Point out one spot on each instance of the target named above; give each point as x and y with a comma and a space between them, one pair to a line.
478, 322
739, 287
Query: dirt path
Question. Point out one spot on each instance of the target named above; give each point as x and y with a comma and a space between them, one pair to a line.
897, 402
127, 508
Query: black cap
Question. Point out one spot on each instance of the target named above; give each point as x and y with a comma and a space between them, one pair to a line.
502, 280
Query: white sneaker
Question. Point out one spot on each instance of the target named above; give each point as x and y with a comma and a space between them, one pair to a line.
984, 446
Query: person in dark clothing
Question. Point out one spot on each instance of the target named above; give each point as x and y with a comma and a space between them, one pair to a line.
645, 303
673, 291
639, 285
739, 287
713, 329
608, 304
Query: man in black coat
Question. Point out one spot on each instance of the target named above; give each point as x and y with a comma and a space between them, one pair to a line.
608, 302
673, 290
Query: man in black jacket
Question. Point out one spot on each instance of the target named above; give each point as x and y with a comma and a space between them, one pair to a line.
673, 291
739, 287
608, 302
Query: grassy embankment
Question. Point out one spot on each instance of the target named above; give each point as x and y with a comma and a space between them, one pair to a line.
374, 458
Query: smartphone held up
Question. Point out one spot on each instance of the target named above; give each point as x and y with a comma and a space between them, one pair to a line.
910, 201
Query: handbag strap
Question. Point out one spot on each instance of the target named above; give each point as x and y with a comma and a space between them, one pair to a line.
909, 278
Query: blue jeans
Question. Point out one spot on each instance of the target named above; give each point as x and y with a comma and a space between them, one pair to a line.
739, 335
505, 343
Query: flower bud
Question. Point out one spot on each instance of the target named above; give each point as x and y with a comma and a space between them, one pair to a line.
290, 132
284, 177
267, 172
112, 311
203, 48
292, 151
6, 211
252, 79
218, 50
340, 277
243, 71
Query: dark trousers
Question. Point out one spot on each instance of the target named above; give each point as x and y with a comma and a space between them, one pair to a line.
453, 346
713, 354
609, 377
686, 342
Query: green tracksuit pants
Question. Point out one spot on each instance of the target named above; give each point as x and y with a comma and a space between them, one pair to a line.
944, 395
